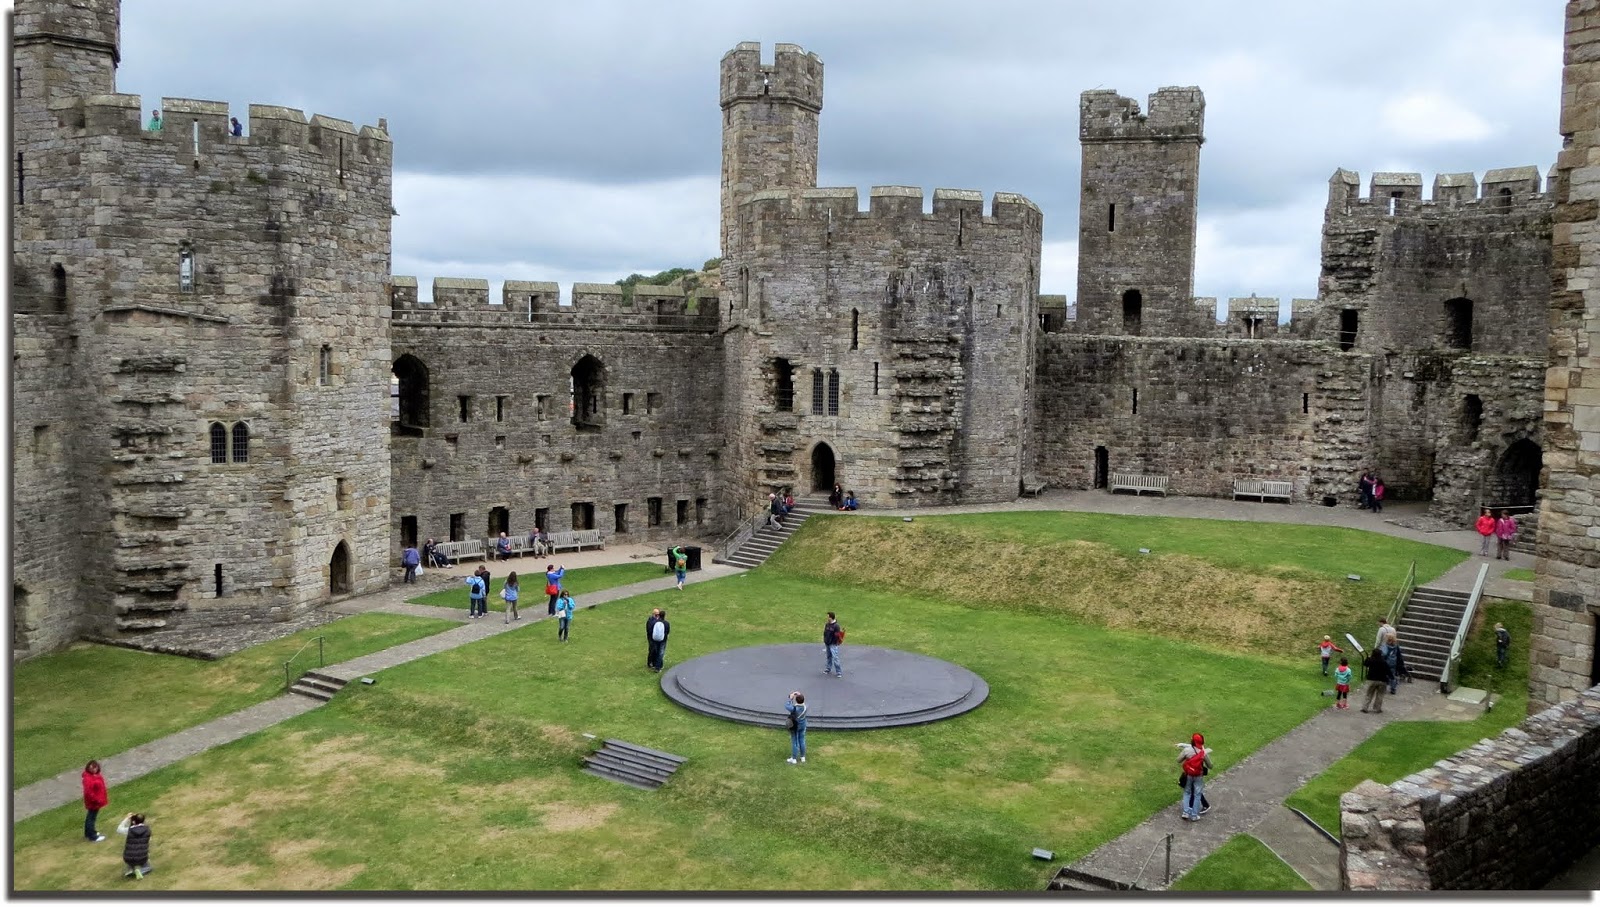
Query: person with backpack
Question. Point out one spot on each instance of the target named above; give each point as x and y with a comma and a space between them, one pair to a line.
659, 631
1195, 762
95, 799
135, 853
832, 637
552, 584
564, 609
511, 593
796, 707
477, 596
680, 565
650, 638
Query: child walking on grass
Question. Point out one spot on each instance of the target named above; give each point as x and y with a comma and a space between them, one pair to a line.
1326, 648
1341, 684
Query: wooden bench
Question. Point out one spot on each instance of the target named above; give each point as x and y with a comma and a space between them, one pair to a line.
1033, 487
1138, 484
578, 538
456, 552
1262, 489
519, 545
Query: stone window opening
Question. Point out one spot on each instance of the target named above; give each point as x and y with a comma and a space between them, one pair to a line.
458, 527
1471, 417
653, 512
541, 406
1111, 218
588, 393
1458, 324
339, 570
216, 578
464, 407
700, 510
541, 518
185, 269
683, 511
411, 393
1136, 401
1132, 312
1503, 198
1394, 202
219, 443
408, 532
58, 289
340, 167
194, 137
1102, 467
500, 407
855, 329
816, 392
341, 493
583, 515
627, 404
241, 442
874, 379
1305, 404
652, 403
499, 521
1252, 327
1349, 324
19, 81
619, 518
21, 196
783, 385
833, 392
325, 366
499, 442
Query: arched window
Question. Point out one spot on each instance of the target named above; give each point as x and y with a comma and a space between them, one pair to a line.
833, 392
1504, 198
219, 443
241, 442
589, 393
855, 329
411, 393
816, 392
1132, 312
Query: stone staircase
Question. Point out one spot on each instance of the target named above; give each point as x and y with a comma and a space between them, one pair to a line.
317, 685
636, 766
1070, 879
755, 552
1428, 627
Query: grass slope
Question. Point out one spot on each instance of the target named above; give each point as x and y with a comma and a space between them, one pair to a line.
1242, 864
93, 701
579, 581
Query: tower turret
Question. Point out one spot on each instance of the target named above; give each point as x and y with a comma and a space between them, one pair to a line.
1137, 209
64, 49
769, 125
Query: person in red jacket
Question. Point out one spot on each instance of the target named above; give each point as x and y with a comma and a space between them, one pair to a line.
94, 799
1485, 528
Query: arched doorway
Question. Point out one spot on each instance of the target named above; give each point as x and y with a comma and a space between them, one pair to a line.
1102, 467
1516, 477
823, 465
339, 570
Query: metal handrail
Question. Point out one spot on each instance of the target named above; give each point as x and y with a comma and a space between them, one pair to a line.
738, 537
1398, 609
288, 681
1167, 880
1447, 678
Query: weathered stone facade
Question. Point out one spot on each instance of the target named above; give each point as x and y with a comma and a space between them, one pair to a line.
1567, 589
1507, 814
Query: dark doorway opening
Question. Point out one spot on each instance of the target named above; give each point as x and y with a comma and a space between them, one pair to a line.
499, 521
1458, 324
1516, 478
1471, 418
408, 532
1132, 312
1349, 322
823, 464
339, 570
583, 515
458, 527
783, 385
1102, 467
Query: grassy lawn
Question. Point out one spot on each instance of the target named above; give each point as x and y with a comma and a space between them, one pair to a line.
1411, 746
1519, 574
93, 701
1242, 864
579, 581
480, 745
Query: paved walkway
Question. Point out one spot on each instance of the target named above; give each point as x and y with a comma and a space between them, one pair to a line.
1248, 796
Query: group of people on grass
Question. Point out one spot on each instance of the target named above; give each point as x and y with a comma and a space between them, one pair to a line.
136, 849
1499, 527
560, 604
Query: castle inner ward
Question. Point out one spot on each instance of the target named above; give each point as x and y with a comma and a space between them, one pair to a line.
248, 414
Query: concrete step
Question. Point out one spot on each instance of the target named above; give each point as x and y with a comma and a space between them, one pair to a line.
1069, 879
301, 689
620, 779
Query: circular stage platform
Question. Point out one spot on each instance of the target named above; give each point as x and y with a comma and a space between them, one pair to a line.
880, 687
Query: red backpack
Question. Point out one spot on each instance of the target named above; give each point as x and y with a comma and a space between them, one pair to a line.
1195, 765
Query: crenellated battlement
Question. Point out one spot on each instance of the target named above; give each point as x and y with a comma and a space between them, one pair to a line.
1175, 114
1508, 190
468, 300
794, 76
833, 207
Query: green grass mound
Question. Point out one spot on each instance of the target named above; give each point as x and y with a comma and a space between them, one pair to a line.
1242, 864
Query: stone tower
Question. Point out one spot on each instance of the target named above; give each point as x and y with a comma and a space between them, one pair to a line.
1136, 213
202, 349
769, 124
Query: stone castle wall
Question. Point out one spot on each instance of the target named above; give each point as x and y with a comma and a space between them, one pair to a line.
1504, 814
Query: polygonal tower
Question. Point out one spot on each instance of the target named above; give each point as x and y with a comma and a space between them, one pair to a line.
1136, 213
769, 124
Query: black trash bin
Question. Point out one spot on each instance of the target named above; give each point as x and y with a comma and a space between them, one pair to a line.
693, 551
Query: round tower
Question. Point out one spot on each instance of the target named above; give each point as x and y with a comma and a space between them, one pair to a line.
769, 125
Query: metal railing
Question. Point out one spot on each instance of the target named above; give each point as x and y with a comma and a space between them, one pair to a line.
1447, 677
734, 540
1398, 609
288, 679
1165, 879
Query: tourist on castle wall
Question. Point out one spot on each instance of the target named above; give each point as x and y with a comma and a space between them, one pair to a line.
235, 129
510, 593
564, 608
552, 584
475, 594
1377, 670
1325, 649
410, 559
1485, 527
1505, 529
95, 798
1341, 684
1194, 759
796, 707
650, 638
832, 638
155, 122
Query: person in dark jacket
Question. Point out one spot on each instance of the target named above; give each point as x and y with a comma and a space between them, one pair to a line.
135, 853
95, 799
649, 638
410, 558
659, 631
832, 636
1377, 682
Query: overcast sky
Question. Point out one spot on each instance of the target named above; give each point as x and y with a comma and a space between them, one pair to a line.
580, 141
